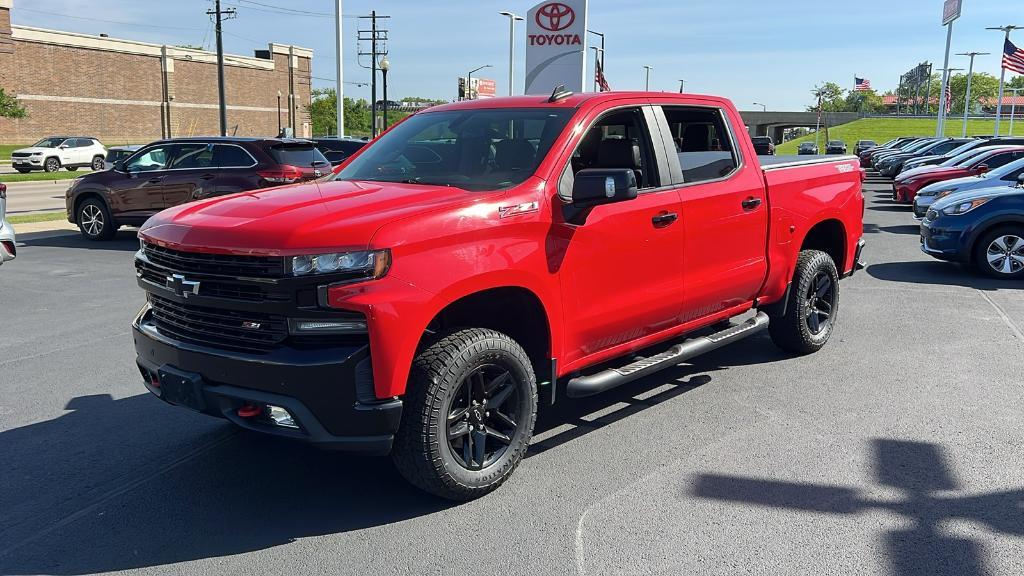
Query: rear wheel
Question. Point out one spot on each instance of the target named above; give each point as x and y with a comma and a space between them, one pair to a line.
51, 165
812, 306
94, 220
468, 416
1000, 253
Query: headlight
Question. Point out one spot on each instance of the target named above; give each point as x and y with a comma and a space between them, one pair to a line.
963, 207
365, 264
37, 153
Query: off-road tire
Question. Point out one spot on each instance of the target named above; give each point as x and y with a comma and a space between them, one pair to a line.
421, 451
792, 331
87, 210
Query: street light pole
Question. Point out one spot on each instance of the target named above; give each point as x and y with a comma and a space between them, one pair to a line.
1013, 106
279, 113
1002, 75
970, 76
763, 107
512, 19
682, 85
339, 90
647, 80
384, 67
940, 126
469, 81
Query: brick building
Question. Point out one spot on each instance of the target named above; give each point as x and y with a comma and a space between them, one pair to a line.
124, 91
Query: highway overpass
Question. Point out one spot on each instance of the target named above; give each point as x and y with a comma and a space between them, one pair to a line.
773, 123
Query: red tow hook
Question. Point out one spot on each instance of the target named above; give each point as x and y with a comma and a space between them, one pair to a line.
249, 411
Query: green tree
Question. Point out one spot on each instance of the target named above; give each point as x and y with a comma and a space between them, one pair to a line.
832, 99
9, 107
984, 86
324, 114
417, 99
867, 101
1015, 82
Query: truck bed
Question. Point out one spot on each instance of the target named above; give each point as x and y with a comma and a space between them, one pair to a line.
790, 160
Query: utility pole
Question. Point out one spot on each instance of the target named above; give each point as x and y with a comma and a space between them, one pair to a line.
339, 90
970, 76
899, 95
221, 15
374, 35
1002, 75
682, 85
647, 78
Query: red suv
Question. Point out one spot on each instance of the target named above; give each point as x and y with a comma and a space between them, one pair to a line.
171, 172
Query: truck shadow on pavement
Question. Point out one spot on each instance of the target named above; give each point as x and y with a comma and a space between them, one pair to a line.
924, 479
938, 273
131, 483
125, 240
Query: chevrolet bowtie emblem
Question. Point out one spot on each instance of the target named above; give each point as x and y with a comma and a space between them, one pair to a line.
182, 287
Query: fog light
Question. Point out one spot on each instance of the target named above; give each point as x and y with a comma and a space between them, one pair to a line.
327, 327
281, 417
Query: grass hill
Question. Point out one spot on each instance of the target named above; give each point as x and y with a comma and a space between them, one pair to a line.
883, 129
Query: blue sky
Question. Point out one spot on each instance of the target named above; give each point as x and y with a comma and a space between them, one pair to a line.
748, 50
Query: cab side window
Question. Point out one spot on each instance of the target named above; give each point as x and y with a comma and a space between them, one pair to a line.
151, 159
705, 148
619, 139
998, 160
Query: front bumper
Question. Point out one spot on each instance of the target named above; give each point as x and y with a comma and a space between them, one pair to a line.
942, 243
325, 391
31, 162
921, 205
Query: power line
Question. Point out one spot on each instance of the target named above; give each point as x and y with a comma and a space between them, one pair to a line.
286, 9
121, 22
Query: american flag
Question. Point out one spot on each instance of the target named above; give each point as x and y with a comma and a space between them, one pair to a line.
862, 84
602, 82
1013, 57
949, 99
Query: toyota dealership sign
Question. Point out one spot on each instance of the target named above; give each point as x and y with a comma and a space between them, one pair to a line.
556, 46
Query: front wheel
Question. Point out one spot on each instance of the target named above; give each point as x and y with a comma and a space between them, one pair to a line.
812, 306
1000, 253
468, 416
97, 163
94, 220
51, 165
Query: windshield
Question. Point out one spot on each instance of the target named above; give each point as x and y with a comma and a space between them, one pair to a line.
49, 143
962, 148
471, 149
918, 145
1004, 170
966, 156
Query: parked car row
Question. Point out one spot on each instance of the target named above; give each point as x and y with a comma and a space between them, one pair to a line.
967, 193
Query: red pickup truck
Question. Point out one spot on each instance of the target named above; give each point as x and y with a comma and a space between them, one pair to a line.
485, 258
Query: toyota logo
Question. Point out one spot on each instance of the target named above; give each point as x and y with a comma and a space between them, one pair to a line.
555, 16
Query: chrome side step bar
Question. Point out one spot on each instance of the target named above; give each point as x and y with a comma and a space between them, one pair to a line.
583, 386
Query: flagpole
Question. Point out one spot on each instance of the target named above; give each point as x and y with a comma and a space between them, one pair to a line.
940, 125
1002, 75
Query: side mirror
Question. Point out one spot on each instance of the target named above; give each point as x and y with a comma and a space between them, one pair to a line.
982, 169
1020, 179
63, 147
596, 186
119, 166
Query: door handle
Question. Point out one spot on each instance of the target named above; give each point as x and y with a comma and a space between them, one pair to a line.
156, 180
207, 177
751, 203
664, 218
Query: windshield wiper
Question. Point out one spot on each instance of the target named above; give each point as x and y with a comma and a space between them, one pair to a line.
419, 180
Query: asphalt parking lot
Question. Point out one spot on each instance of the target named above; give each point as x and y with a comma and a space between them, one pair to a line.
895, 450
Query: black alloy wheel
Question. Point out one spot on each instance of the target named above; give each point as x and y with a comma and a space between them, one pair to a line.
483, 416
821, 300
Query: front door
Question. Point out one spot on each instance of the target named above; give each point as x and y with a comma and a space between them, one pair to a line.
620, 269
724, 212
138, 191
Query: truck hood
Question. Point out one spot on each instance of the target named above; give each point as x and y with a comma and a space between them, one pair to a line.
297, 219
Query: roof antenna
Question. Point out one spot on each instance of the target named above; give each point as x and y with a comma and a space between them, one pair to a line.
558, 93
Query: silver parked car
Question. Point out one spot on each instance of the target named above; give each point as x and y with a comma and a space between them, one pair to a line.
118, 153
1006, 175
7, 249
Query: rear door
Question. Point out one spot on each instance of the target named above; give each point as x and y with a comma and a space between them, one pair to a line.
191, 173
724, 210
236, 169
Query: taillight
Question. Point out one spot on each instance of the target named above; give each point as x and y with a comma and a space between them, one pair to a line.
283, 174
3, 190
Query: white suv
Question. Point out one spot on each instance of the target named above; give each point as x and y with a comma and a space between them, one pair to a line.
52, 154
